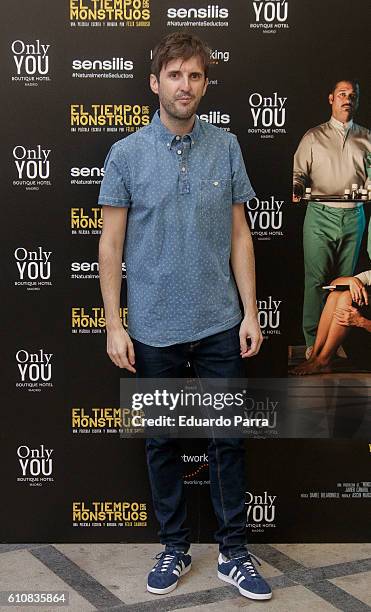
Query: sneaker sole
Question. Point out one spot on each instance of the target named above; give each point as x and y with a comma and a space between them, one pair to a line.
243, 592
172, 586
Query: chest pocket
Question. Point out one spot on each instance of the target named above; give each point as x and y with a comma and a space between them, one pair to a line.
216, 195
216, 209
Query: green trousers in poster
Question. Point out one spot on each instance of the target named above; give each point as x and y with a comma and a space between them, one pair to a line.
331, 239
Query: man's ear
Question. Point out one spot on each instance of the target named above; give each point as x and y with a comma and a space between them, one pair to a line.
330, 98
153, 83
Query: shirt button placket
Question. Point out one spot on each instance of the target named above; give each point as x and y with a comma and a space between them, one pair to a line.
183, 167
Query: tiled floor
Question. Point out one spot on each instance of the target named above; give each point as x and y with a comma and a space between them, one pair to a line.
111, 577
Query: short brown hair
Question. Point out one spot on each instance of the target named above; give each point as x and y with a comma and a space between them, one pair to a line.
179, 45
354, 83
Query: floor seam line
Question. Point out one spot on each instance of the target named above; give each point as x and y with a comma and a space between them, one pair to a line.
60, 564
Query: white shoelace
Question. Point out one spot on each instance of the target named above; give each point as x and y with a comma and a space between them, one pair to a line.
250, 568
248, 564
165, 561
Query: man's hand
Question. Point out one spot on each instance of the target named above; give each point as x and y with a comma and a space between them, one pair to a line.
297, 192
358, 291
120, 349
250, 328
349, 317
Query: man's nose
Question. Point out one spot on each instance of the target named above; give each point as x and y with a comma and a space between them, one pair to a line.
186, 83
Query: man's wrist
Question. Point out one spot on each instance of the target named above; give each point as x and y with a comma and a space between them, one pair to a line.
251, 312
114, 325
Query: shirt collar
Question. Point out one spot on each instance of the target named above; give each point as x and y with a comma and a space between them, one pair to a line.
168, 137
339, 125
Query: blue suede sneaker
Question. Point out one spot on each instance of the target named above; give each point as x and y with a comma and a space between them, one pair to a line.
241, 572
165, 574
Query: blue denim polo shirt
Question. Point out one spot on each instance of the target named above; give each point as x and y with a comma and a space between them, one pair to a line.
179, 191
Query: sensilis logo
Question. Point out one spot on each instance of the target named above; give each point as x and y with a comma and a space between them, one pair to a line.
85, 175
210, 12
113, 68
217, 118
89, 270
116, 63
211, 15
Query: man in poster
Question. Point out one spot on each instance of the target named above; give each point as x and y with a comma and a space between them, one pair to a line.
175, 190
329, 159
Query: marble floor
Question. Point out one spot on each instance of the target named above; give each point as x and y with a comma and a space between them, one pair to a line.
112, 577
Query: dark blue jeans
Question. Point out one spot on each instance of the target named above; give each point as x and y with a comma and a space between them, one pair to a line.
217, 356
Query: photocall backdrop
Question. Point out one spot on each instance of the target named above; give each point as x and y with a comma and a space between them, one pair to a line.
76, 80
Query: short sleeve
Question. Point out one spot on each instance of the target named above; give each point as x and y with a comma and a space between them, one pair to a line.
115, 186
242, 190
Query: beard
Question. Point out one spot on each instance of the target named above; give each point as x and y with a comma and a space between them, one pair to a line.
176, 111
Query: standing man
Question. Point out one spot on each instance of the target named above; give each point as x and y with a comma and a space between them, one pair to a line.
329, 159
175, 190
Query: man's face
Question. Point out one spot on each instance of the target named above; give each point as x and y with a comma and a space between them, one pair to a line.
344, 101
181, 85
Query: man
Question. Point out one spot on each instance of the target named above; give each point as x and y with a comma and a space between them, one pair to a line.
169, 189
329, 159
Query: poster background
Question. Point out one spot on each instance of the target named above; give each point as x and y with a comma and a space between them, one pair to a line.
298, 62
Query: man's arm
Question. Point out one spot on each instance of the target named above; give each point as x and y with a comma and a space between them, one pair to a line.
302, 167
351, 317
119, 346
243, 266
